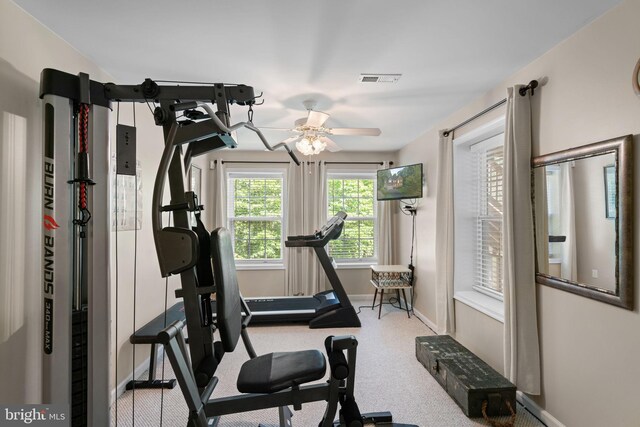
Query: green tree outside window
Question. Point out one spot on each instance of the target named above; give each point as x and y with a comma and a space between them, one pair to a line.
255, 216
354, 195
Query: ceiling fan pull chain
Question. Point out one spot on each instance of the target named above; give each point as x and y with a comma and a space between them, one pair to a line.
250, 114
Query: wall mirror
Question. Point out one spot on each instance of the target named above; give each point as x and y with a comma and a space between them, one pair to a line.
583, 214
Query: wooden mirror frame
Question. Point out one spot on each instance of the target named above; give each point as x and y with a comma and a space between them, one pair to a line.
623, 148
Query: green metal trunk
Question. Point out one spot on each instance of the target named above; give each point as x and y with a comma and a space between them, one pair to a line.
467, 379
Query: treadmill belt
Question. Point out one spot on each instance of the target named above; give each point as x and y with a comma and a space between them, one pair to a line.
282, 304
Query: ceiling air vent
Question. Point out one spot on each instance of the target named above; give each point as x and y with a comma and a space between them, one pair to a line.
379, 78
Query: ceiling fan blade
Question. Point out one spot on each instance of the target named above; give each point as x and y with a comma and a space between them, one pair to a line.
331, 146
316, 118
355, 131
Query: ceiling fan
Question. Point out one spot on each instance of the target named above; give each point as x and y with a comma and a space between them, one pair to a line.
311, 135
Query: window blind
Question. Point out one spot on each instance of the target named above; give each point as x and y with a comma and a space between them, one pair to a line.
489, 252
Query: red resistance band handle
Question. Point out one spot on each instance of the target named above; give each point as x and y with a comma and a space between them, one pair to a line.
82, 175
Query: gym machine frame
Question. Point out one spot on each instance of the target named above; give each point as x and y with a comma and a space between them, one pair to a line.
75, 253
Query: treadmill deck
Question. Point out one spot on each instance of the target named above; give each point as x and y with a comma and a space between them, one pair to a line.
291, 309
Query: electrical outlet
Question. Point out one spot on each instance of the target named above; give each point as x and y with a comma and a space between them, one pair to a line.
594, 274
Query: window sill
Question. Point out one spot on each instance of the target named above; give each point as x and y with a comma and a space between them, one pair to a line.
262, 266
354, 265
483, 303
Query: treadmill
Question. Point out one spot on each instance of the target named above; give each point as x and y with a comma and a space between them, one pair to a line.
328, 309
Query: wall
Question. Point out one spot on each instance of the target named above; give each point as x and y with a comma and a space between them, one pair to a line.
425, 150
148, 300
589, 349
26, 47
255, 283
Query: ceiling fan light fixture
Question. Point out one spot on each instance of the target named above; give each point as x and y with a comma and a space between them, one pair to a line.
318, 145
310, 145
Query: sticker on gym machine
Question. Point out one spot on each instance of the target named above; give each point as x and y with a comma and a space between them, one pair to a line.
49, 224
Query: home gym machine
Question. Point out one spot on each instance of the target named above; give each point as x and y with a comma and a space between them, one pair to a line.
328, 309
76, 224
75, 260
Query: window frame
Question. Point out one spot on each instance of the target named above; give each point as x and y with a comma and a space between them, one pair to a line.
466, 291
251, 173
355, 174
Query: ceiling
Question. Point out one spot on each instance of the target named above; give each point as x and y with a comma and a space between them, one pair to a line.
449, 52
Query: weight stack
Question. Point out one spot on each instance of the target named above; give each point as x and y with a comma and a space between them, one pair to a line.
79, 363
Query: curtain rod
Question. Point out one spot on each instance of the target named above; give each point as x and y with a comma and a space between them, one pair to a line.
284, 162
356, 163
523, 91
250, 161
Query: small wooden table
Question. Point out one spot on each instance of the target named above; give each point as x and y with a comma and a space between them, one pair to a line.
390, 277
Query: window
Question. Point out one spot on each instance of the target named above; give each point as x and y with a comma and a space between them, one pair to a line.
255, 216
478, 162
354, 194
489, 164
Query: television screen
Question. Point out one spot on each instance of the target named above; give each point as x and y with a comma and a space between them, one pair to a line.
404, 182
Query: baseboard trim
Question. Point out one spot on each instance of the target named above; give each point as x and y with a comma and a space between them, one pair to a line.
431, 325
540, 413
361, 298
140, 369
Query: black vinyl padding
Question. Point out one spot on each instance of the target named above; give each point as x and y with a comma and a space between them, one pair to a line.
229, 307
278, 371
203, 267
263, 374
205, 370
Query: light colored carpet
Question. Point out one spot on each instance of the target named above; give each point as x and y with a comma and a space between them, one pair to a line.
388, 378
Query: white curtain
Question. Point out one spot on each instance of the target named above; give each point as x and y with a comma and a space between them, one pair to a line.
521, 346
568, 266
319, 216
306, 213
444, 237
220, 196
385, 230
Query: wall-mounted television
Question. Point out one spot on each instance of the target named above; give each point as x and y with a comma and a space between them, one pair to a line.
403, 182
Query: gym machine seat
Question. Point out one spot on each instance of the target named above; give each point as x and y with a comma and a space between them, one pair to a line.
276, 371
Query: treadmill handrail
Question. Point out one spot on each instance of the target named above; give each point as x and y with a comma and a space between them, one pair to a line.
330, 231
